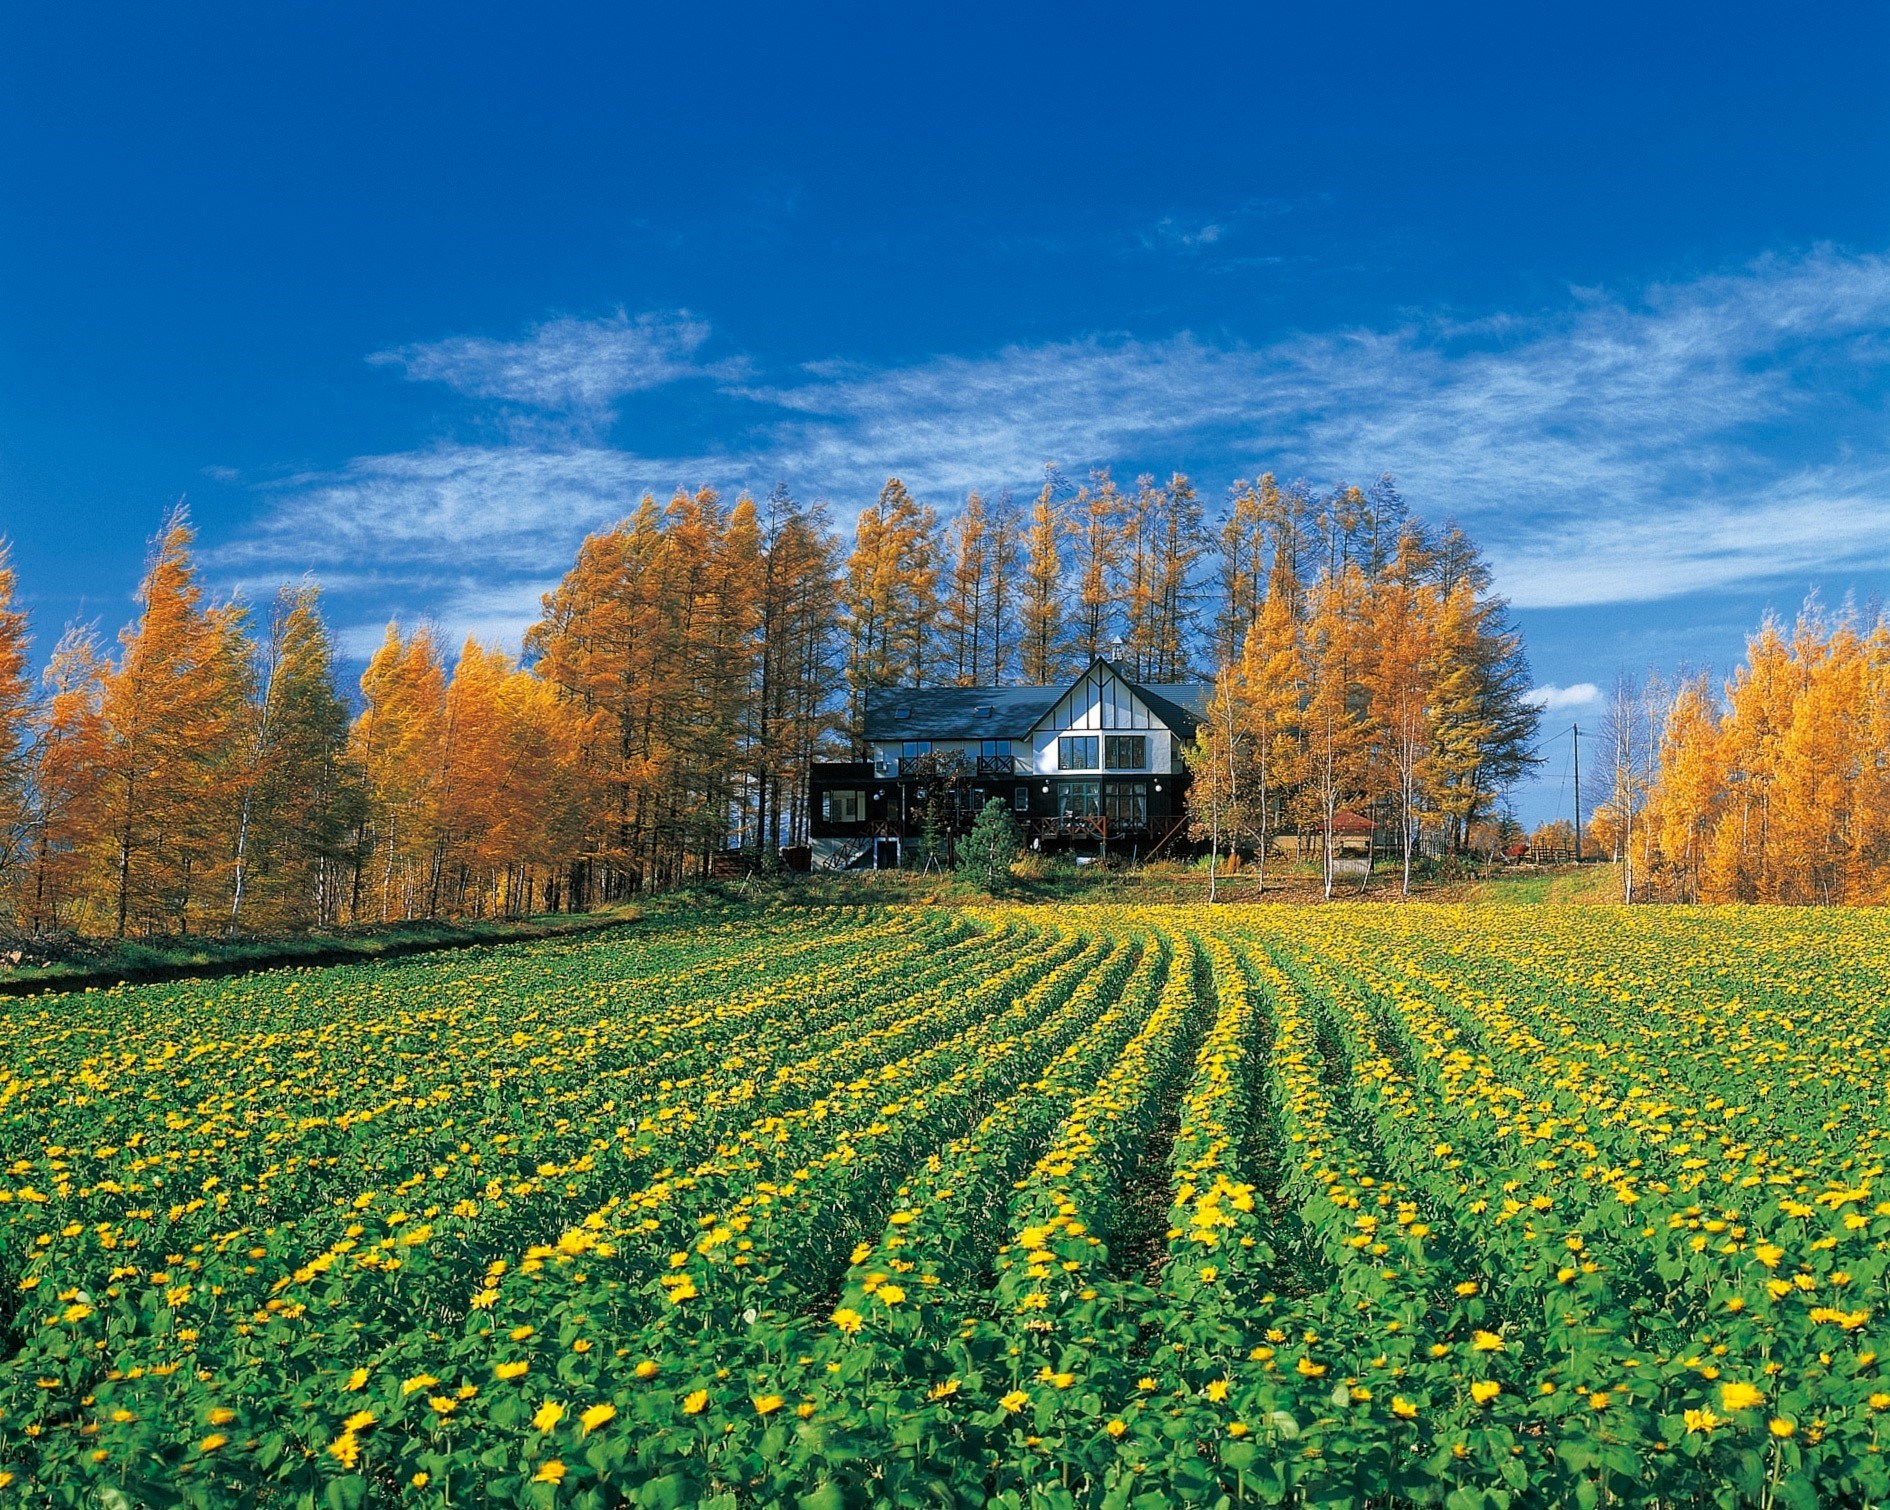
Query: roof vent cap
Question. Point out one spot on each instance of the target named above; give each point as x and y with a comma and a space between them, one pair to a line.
983, 710
902, 713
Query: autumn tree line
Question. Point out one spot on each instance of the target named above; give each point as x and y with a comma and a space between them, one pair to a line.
210, 775
1773, 786
208, 772
1367, 668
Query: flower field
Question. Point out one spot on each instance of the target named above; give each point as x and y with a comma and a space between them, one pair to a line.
1388, 1205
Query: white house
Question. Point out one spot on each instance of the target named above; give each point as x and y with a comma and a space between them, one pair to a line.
1096, 761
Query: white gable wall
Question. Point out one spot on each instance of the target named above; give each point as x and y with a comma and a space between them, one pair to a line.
1102, 703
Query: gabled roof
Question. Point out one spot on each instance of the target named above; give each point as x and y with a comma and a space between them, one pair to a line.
1181, 705
1012, 712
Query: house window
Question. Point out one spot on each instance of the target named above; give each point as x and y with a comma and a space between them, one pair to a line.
843, 805
1079, 799
1077, 753
1125, 752
1020, 799
995, 749
913, 748
1125, 804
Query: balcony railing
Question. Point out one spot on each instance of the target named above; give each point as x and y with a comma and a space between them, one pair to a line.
946, 766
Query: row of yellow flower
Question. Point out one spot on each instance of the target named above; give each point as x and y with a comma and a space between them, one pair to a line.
862, 1205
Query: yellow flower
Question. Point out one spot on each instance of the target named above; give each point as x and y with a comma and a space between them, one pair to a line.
421, 1479
549, 1415
551, 1473
511, 1370
1485, 1390
646, 1369
1402, 1408
848, 1319
1739, 1396
1768, 1254
767, 1405
596, 1416
359, 1421
520, 1333
1310, 1369
694, 1402
1237, 1428
358, 1379
417, 1382
345, 1449
1216, 1390
1598, 1400
1486, 1342
1702, 1420
1880, 1401
942, 1391
212, 1442
1116, 1428
219, 1415
1468, 1287
1782, 1426
1015, 1401
891, 1294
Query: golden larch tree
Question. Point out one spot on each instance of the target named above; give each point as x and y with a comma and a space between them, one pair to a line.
171, 710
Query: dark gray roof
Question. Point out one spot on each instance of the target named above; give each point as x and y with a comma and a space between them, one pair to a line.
1010, 712
1180, 705
952, 712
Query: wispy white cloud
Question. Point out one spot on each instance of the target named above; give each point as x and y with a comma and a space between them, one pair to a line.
1172, 232
471, 608
564, 366
1553, 699
1695, 436
1193, 233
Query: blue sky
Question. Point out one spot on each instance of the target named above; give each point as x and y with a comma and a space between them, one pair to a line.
409, 297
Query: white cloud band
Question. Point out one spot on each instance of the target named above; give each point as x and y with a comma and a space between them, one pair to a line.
1701, 435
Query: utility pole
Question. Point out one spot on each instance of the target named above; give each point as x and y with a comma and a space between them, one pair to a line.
1576, 730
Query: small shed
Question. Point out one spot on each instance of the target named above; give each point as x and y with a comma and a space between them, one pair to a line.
1351, 832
